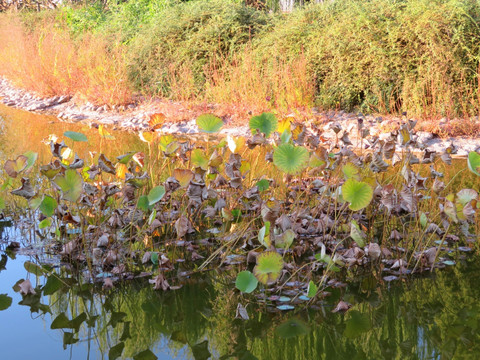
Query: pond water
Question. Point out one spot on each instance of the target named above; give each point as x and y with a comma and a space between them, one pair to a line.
433, 316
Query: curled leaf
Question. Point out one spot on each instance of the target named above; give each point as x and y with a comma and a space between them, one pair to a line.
26, 190
105, 164
14, 167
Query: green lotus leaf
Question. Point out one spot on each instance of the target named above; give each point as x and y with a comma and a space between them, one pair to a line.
124, 159
269, 266
423, 219
60, 322
143, 203
33, 268
75, 136
49, 171
263, 184
71, 185
199, 159
31, 158
69, 339
164, 141
116, 351
266, 123
145, 355
48, 206
350, 171
53, 285
246, 282
473, 162
5, 301
290, 159
35, 202
264, 235
312, 289
209, 123
357, 193
45, 223
155, 195
285, 137
285, 240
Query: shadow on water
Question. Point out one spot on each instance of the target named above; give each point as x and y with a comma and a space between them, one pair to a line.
435, 316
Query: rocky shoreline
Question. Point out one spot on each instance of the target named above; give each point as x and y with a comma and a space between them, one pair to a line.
136, 117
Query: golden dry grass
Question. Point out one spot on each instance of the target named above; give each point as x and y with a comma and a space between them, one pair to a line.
281, 84
47, 61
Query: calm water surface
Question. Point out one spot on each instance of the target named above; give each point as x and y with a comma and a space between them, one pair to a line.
435, 316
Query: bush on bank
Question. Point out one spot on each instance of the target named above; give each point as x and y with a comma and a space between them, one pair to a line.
381, 55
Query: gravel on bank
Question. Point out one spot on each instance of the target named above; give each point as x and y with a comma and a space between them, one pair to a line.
136, 117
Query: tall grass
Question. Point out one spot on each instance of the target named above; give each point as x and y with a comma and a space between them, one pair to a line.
382, 56
387, 56
47, 61
186, 37
280, 84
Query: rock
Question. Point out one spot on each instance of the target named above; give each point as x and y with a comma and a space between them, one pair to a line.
424, 136
138, 119
385, 136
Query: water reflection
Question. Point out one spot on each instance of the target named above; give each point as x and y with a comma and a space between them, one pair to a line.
22, 131
434, 317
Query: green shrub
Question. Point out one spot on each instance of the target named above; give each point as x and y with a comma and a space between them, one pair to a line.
419, 56
86, 18
187, 37
385, 55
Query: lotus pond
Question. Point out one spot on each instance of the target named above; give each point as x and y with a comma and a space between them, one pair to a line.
281, 246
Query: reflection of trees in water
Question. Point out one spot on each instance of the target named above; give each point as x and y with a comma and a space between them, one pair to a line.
420, 320
425, 318
137, 316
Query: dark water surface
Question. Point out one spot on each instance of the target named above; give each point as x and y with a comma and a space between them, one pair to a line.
435, 316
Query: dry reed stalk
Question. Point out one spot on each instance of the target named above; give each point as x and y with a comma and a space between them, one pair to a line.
49, 62
278, 83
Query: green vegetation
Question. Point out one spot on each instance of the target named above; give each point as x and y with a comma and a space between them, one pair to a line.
316, 208
378, 56
258, 238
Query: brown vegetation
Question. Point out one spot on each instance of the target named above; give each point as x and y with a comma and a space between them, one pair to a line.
47, 61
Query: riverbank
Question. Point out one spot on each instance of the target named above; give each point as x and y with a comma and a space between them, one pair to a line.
379, 57
180, 119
